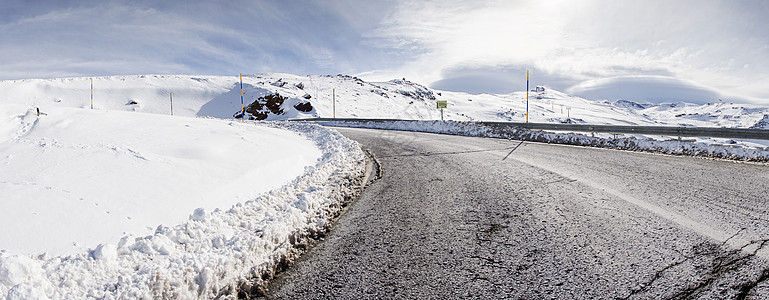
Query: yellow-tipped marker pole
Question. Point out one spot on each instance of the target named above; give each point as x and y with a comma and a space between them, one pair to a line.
527, 96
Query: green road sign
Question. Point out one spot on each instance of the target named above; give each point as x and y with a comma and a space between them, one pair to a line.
443, 104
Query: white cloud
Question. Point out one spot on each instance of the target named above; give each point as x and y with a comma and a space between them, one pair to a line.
199, 37
451, 34
721, 44
707, 42
653, 89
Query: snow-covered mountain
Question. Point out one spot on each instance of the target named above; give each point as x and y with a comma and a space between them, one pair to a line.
350, 97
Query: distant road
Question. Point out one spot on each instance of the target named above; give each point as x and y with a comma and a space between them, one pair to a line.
456, 217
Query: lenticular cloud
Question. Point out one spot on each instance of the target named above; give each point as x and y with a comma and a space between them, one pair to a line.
655, 89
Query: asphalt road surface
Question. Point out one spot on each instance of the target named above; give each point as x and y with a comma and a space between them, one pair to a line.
463, 217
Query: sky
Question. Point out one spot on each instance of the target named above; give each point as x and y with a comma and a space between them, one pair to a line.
602, 48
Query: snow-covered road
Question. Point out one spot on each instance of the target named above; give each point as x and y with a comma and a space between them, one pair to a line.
476, 217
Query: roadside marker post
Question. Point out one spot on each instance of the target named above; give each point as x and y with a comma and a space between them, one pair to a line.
242, 105
333, 105
442, 104
171, 95
91, 93
527, 96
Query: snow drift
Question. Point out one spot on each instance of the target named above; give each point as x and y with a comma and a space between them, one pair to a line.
105, 173
109, 204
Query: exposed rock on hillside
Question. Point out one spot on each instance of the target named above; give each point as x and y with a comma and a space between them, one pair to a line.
273, 105
762, 124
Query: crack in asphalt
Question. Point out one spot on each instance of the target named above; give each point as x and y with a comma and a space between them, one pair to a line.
723, 264
722, 261
733, 236
563, 179
493, 262
746, 288
657, 275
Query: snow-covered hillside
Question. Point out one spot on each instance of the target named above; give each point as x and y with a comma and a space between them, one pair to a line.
350, 97
549, 106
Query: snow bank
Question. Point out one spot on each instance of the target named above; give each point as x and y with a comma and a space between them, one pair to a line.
625, 143
74, 178
214, 252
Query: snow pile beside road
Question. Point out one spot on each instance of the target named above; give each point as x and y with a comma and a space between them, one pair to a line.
215, 252
108, 173
625, 143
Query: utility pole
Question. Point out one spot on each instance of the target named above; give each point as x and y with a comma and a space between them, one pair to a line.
242, 105
91, 93
527, 96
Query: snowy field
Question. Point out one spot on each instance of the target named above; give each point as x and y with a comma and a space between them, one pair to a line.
112, 204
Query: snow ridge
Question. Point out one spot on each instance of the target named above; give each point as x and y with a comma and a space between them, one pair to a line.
212, 255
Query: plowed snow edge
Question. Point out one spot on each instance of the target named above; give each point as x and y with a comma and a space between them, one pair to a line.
255, 287
214, 254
